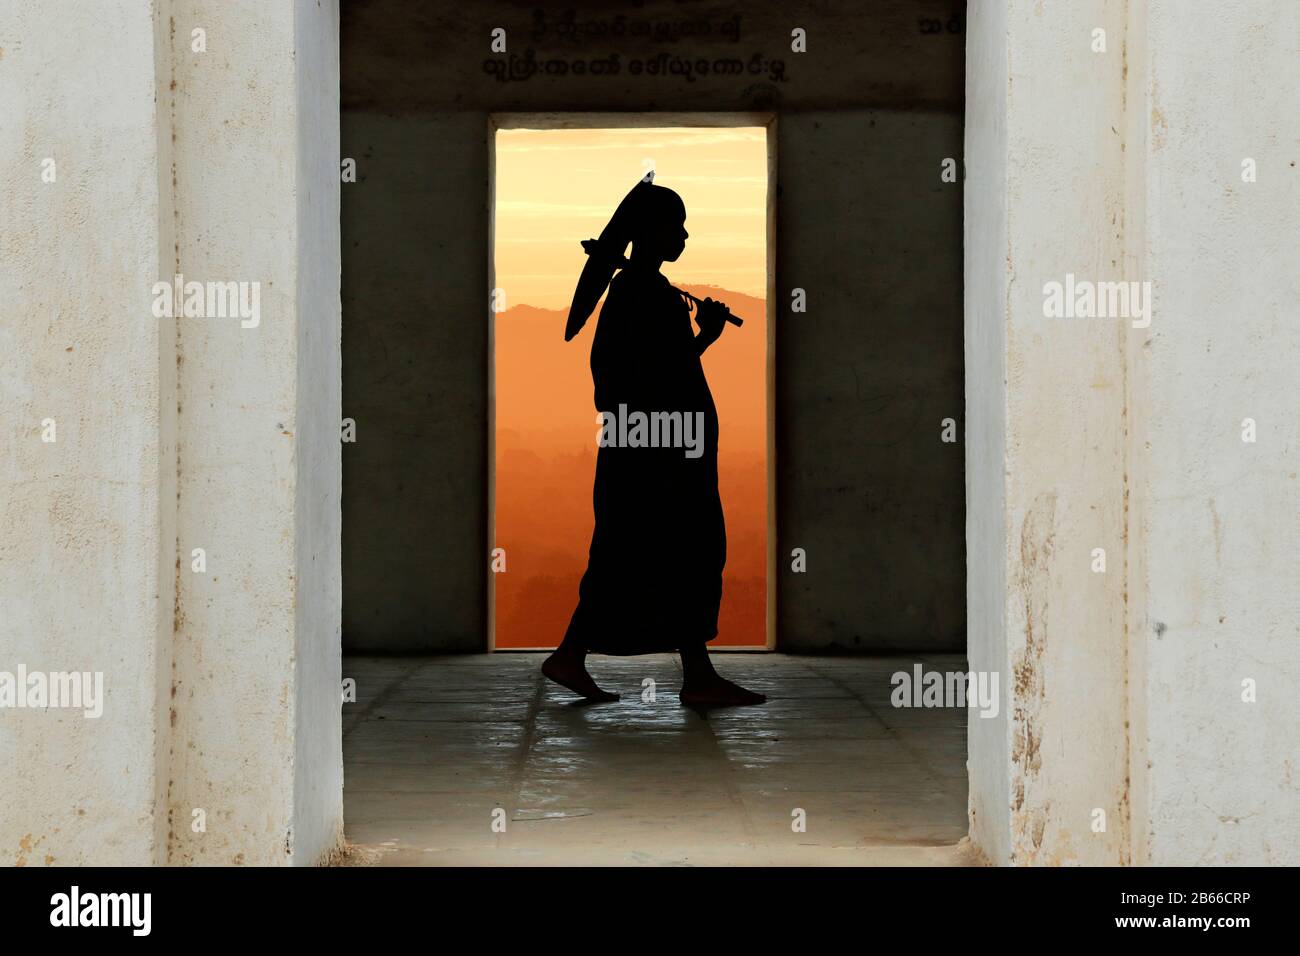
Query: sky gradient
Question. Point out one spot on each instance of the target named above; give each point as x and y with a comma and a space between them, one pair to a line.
554, 189
558, 187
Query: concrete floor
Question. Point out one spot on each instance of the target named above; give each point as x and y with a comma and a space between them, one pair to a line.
435, 744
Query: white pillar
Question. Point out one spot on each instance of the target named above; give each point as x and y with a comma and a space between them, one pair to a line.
257, 735
87, 533
1046, 419
1216, 603
211, 152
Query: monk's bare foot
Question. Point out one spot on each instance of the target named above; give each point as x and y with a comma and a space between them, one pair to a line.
718, 692
571, 672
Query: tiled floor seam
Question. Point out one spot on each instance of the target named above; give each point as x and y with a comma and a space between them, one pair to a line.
924, 762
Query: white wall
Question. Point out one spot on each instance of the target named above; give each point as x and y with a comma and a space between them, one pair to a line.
1218, 602
222, 686
1126, 686
86, 534
984, 281
256, 736
1046, 416
318, 719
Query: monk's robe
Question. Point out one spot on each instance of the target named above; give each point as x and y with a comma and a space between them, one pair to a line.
654, 573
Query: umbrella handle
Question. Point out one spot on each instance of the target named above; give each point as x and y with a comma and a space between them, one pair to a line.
733, 319
592, 248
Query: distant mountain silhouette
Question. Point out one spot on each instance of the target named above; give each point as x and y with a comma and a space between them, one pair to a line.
546, 454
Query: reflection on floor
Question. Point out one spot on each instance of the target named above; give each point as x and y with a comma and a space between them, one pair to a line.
436, 748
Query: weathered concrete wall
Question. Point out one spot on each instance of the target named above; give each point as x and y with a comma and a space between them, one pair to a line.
318, 521
863, 379
985, 340
415, 381
865, 54
87, 540
256, 700
1217, 602
222, 683
233, 723
1055, 390
1130, 690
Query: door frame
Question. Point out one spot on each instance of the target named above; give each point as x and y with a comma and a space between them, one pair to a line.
637, 120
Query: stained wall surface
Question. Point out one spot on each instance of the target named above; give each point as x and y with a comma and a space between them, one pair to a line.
87, 480
1132, 519
1217, 626
178, 536
256, 705
1047, 413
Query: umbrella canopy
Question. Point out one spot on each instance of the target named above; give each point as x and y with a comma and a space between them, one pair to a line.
604, 258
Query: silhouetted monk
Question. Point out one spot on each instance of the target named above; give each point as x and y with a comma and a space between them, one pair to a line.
654, 573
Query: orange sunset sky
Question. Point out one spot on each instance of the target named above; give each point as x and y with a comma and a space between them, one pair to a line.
555, 188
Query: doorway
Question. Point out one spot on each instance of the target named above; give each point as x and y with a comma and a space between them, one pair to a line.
454, 754
555, 181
